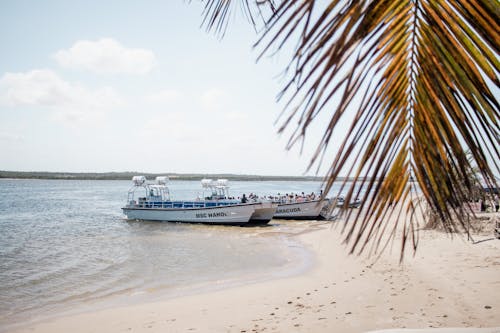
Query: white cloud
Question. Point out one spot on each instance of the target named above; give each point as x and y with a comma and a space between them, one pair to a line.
106, 55
214, 99
44, 88
181, 123
164, 97
9, 137
173, 127
218, 103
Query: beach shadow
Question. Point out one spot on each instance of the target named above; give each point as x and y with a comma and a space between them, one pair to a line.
483, 240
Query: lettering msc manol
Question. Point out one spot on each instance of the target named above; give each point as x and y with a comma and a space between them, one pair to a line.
210, 215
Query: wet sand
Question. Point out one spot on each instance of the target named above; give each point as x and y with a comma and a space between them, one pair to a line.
449, 283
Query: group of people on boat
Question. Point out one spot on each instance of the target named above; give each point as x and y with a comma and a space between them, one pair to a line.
286, 198
251, 197
298, 197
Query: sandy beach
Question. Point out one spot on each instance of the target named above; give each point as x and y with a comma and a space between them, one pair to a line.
449, 283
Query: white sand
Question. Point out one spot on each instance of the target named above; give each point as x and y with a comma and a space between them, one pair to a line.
449, 283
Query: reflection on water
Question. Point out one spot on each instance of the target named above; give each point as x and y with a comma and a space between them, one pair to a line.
65, 243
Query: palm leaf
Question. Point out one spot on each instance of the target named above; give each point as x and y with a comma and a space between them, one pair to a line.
415, 80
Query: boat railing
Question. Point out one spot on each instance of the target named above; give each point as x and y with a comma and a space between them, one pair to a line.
285, 200
180, 204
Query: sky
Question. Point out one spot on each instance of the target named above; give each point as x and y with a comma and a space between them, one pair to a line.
99, 86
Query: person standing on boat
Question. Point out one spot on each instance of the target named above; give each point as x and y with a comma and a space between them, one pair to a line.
244, 198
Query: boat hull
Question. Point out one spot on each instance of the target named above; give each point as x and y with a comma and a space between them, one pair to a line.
236, 214
308, 210
264, 212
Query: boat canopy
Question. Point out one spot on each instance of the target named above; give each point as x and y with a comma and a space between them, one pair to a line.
222, 182
139, 180
153, 191
206, 183
162, 180
210, 183
219, 188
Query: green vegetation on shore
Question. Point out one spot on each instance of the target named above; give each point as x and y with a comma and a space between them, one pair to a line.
129, 174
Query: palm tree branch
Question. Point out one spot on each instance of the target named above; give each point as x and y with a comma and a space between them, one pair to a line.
414, 79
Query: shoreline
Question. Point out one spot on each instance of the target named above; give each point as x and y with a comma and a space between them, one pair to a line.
448, 283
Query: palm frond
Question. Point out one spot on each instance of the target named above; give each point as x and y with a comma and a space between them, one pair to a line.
216, 14
414, 78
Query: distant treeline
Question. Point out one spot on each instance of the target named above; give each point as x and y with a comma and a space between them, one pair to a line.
129, 174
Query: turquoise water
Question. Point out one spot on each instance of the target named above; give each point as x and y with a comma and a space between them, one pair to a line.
66, 243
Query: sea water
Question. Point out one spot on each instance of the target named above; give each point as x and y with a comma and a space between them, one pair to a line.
65, 244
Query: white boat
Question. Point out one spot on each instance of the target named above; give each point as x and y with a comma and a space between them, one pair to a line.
264, 209
302, 209
156, 205
340, 201
264, 212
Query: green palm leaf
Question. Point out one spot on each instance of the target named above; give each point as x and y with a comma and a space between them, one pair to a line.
415, 80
